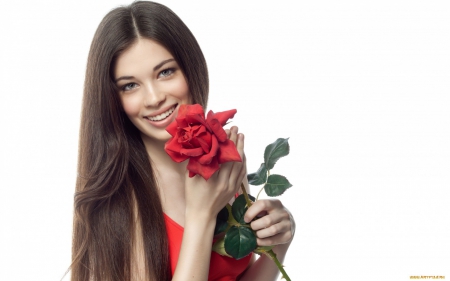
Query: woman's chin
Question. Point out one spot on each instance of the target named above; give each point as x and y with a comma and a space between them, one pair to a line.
162, 137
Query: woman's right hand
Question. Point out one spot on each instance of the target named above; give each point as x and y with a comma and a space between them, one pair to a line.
204, 200
209, 197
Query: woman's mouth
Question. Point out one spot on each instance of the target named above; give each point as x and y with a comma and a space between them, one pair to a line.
162, 116
163, 119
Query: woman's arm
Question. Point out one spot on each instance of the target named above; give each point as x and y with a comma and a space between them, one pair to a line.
204, 200
195, 253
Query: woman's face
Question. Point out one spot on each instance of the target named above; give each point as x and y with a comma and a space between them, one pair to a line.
151, 86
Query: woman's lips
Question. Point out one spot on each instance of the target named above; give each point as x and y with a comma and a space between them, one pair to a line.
166, 121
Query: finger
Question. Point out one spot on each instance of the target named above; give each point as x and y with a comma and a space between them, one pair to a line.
261, 214
261, 205
291, 218
225, 169
280, 238
238, 168
233, 134
242, 178
282, 226
269, 220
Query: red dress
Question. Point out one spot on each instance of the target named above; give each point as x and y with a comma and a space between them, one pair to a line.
221, 268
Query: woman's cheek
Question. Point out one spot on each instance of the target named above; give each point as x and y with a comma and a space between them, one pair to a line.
131, 105
179, 88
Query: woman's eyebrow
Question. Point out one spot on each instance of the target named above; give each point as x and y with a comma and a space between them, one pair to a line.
161, 64
123, 78
158, 66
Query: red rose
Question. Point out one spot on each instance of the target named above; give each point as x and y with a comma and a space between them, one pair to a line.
203, 141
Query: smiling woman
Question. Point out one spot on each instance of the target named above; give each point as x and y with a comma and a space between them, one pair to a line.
138, 215
129, 79
152, 87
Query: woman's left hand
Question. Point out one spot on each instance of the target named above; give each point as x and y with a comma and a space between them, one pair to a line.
276, 226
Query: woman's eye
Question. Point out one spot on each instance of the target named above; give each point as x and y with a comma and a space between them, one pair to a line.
129, 86
166, 72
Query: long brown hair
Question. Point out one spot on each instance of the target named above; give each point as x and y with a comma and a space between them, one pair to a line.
114, 169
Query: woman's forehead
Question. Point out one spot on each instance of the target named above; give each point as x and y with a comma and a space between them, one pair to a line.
144, 53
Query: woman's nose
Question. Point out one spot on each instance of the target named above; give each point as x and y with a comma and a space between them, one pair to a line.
153, 96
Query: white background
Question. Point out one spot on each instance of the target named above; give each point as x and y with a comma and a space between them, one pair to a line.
360, 87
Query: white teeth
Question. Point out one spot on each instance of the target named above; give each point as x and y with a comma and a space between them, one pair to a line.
161, 116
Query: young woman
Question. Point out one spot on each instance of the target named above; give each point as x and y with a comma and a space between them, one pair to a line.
138, 215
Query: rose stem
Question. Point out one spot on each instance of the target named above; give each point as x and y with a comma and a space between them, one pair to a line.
249, 202
259, 192
268, 174
273, 257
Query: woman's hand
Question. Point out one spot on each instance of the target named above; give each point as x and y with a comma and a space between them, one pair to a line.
276, 226
209, 197
204, 200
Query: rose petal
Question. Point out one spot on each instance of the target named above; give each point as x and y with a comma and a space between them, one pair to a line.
202, 140
223, 116
207, 158
172, 148
191, 151
173, 144
185, 113
203, 144
217, 129
192, 113
172, 128
187, 144
181, 122
199, 130
206, 171
190, 109
228, 152
177, 157
196, 119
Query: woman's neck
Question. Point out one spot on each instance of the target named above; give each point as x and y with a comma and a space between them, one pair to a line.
170, 177
160, 159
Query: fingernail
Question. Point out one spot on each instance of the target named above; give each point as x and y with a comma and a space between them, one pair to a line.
241, 136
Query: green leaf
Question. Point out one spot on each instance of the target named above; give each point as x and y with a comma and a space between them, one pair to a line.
240, 207
221, 221
259, 177
231, 220
276, 185
219, 247
239, 241
275, 151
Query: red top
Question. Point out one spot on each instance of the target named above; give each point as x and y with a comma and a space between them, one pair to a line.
221, 268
